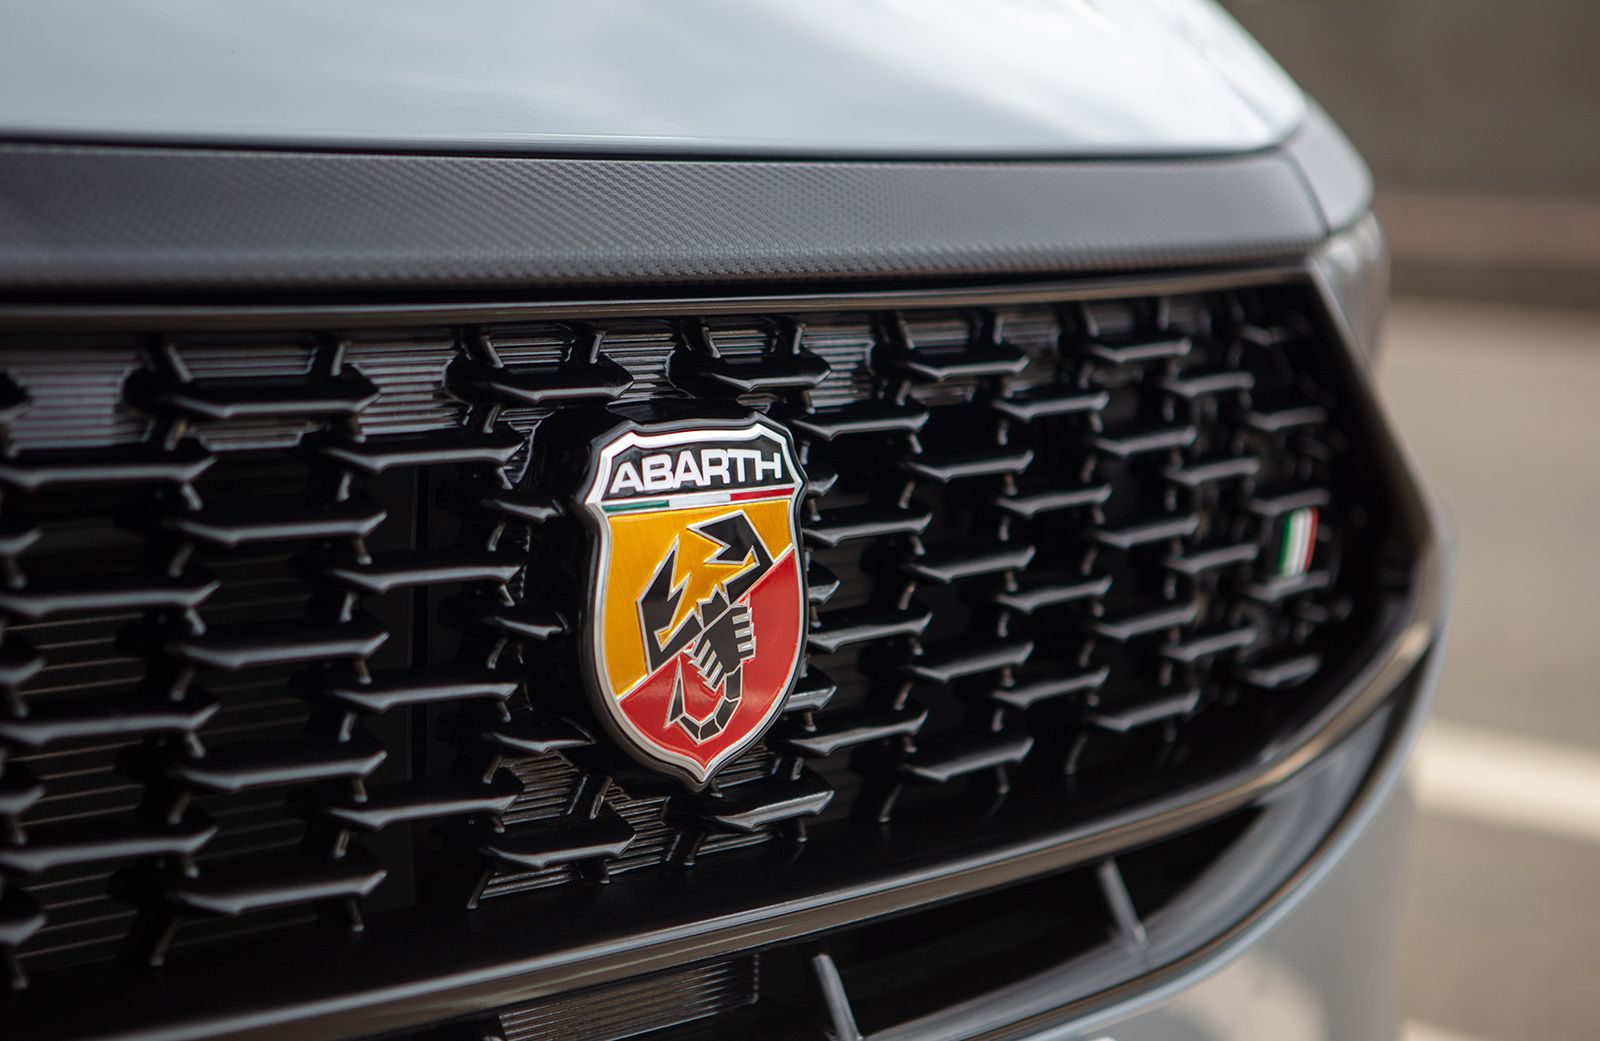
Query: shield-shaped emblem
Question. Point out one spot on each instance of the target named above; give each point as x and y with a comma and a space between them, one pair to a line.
697, 597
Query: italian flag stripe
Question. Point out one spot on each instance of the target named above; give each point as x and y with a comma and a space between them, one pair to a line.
1298, 543
684, 502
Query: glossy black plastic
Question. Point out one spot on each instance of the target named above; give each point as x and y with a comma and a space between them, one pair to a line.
654, 919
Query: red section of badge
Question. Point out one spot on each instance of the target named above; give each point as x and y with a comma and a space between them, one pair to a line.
775, 611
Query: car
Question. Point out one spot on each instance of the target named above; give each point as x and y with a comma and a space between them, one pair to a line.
695, 521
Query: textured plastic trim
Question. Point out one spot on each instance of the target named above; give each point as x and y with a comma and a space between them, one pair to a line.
105, 220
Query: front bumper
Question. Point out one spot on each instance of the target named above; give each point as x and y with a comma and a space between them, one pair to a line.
1325, 969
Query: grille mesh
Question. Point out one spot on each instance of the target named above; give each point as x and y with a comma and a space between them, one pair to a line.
634, 1008
282, 641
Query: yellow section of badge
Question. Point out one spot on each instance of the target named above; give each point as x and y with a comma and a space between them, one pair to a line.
639, 542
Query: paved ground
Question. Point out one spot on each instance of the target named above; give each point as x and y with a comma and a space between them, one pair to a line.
1501, 938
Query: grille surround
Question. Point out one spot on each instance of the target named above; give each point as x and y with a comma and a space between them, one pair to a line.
1295, 749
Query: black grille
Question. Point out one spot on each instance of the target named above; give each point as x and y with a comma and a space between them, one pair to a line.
290, 617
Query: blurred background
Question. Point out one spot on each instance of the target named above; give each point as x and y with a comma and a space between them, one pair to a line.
1481, 121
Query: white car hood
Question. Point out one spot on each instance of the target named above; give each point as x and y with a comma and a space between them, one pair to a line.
844, 78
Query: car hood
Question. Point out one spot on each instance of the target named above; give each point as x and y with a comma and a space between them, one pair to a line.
846, 78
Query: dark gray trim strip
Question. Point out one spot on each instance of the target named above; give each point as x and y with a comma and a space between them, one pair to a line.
108, 220
414, 311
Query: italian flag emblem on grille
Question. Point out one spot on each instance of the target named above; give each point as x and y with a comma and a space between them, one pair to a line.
1297, 542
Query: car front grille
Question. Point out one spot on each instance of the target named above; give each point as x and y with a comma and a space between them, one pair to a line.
291, 616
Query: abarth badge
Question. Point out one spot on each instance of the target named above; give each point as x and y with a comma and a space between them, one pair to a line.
697, 603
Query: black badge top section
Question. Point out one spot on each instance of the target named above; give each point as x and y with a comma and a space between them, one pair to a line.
708, 465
